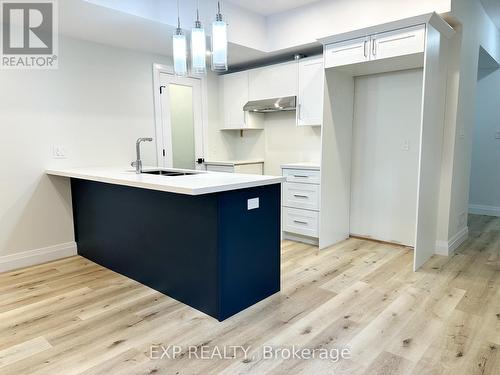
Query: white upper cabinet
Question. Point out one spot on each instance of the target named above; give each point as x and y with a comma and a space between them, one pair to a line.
304, 79
273, 81
347, 52
234, 97
398, 42
394, 43
310, 92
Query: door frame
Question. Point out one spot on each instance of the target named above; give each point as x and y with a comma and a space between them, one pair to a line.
199, 114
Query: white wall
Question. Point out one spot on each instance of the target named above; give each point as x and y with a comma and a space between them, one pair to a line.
96, 105
478, 30
485, 174
288, 143
280, 142
305, 24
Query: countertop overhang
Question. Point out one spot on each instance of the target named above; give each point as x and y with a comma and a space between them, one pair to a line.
200, 183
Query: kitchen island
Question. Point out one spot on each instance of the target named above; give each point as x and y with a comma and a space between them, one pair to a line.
210, 240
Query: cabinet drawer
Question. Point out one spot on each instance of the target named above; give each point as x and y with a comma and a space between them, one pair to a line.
299, 221
257, 168
301, 195
304, 176
347, 52
398, 42
220, 168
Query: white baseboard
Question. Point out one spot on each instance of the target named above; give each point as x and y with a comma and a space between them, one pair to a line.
299, 238
478, 209
447, 248
37, 256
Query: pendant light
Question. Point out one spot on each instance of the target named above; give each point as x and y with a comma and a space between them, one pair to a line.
198, 46
219, 43
179, 48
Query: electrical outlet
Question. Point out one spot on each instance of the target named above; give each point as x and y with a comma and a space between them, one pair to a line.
59, 152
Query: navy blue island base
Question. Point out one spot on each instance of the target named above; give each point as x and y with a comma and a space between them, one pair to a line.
208, 251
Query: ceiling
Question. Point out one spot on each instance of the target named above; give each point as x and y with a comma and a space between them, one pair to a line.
492, 7
268, 7
110, 27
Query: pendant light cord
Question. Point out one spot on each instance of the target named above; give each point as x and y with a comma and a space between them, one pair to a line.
178, 16
197, 22
218, 16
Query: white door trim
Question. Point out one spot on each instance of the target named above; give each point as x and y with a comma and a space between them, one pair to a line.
159, 69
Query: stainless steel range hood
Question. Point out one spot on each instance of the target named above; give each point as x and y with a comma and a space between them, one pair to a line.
287, 103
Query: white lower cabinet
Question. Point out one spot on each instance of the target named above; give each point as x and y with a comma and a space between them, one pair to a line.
304, 222
303, 176
301, 202
301, 195
236, 167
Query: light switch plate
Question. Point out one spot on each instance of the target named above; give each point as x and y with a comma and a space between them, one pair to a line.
406, 145
497, 134
252, 204
462, 133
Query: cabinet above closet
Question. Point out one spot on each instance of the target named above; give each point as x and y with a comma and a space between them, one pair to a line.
389, 47
414, 56
407, 41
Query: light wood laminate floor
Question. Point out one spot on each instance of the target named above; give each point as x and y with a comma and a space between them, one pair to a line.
75, 317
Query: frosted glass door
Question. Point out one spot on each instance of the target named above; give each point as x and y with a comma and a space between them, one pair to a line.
182, 123
180, 138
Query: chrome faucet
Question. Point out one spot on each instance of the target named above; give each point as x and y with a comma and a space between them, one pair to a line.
138, 163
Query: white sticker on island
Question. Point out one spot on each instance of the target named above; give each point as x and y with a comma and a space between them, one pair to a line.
253, 203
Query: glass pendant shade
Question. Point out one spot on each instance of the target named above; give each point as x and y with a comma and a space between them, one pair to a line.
198, 50
219, 46
179, 52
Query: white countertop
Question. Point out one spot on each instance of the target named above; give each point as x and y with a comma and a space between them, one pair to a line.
234, 162
201, 183
303, 165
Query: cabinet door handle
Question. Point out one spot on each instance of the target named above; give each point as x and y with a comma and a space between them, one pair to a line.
300, 196
300, 222
364, 48
299, 176
374, 47
300, 111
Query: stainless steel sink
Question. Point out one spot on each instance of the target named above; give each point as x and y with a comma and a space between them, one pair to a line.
169, 173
